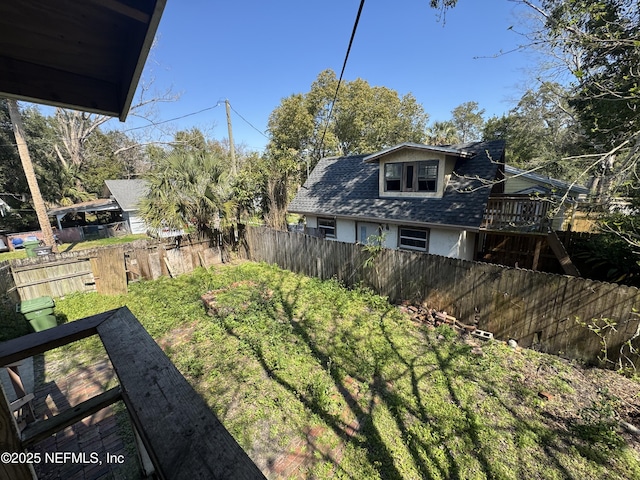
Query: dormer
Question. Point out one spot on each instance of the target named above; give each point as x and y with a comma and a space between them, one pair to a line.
415, 170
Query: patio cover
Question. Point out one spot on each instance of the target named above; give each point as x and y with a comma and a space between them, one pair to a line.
84, 55
99, 205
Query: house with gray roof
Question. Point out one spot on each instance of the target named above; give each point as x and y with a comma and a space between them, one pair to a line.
415, 197
128, 194
569, 200
518, 181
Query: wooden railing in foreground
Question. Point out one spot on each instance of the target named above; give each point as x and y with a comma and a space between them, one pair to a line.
181, 435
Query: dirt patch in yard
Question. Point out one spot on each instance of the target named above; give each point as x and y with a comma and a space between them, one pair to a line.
177, 337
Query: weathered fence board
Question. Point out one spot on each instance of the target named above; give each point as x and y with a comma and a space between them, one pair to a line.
44, 276
109, 270
105, 269
536, 309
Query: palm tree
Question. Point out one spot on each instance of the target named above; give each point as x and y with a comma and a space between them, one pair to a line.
442, 133
189, 189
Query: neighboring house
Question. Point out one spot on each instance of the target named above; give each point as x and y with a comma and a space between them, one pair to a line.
128, 194
418, 197
566, 198
457, 201
518, 181
122, 198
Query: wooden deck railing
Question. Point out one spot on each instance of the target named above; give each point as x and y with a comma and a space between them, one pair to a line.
180, 434
516, 213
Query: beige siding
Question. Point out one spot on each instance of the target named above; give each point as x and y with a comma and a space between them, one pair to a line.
445, 167
516, 184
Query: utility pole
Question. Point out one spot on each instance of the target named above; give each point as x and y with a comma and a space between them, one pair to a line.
27, 166
231, 147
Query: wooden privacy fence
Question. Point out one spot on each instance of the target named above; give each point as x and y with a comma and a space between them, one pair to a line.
106, 269
536, 309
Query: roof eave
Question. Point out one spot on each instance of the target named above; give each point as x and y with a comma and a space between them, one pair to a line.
416, 146
152, 28
86, 56
553, 182
362, 218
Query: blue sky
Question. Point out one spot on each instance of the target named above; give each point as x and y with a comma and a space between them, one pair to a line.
256, 53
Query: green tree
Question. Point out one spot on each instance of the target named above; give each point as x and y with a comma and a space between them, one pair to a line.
13, 183
364, 119
189, 141
306, 127
292, 124
12, 179
442, 133
598, 44
369, 118
604, 39
265, 185
189, 189
541, 132
82, 148
57, 181
102, 162
73, 130
468, 121
249, 188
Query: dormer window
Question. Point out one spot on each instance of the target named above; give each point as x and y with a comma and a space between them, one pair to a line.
393, 177
411, 176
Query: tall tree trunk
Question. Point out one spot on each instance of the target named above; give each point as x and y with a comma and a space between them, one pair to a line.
25, 158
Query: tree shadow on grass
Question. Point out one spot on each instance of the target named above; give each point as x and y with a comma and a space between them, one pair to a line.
556, 436
454, 443
377, 451
562, 434
69, 247
451, 470
367, 436
367, 372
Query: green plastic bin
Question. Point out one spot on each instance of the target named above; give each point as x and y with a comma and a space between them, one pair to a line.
30, 246
38, 312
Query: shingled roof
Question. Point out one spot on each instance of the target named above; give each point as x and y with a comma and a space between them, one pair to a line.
128, 193
347, 187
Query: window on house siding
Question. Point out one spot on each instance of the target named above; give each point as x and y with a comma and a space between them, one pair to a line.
411, 176
413, 238
328, 227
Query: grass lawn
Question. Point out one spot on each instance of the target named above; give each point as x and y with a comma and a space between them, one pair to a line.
346, 382
67, 247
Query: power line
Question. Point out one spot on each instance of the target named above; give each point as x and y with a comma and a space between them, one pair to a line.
344, 66
248, 122
153, 124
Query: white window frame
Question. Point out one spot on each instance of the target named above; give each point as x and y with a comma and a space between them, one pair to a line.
413, 248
